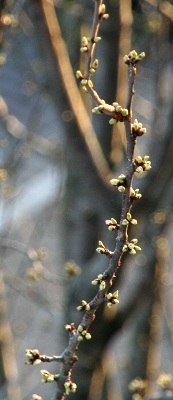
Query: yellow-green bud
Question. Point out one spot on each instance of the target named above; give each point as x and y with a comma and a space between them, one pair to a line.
83, 81
97, 39
37, 362
105, 16
88, 336
134, 54
121, 189
87, 308
100, 243
132, 251
125, 222
116, 294
131, 246
112, 228
134, 221
100, 276
73, 387
84, 49
102, 9
109, 304
124, 112
114, 182
114, 221
137, 248
84, 41
122, 178
80, 338
141, 56
79, 74
118, 108
95, 63
95, 282
113, 121
125, 248
129, 216
115, 104
138, 159
134, 241
146, 158
144, 130
100, 251
102, 285
80, 328
109, 296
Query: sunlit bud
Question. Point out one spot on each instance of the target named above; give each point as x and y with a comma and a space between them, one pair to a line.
80, 338
100, 108
134, 241
95, 282
139, 125
116, 294
36, 397
109, 304
85, 89
138, 160
114, 221
73, 387
134, 221
88, 336
139, 169
121, 189
79, 75
124, 112
102, 9
115, 104
67, 385
92, 70
129, 216
100, 251
143, 130
79, 308
133, 54
126, 59
122, 178
132, 192
37, 362
100, 243
100, 276
113, 121
96, 110
84, 41
95, 63
83, 81
68, 327
114, 182
125, 248
141, 56
102, 285
80, 328
84, 333
147, 166
131, 246
137, 248
109, 296
146, 158
115, 301
118, 108
132, 251
125, 222
112, 228
97, 39
84, 49
105, 16
108, 221
83, 303
87, 308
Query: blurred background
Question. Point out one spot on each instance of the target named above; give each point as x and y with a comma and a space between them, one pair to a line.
56, 160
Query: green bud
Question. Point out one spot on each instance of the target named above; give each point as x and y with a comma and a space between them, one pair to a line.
125, 222
84, 49
100, 276
80, 328
80, 338
115, 104
102, 285
105, 16
67, 385
122, 178
137, 248
114, 182
73, 387
94, 282
79, 308
121, 189
134, 221
115, 301
37, 362
131, 246
138, 159
68, 327
112, 228
87, 308
114, 221
108, 222
79, 74
113, 121
84, 302
36, 397
109, 304
134, 241
100, 243
118, 108
97, 39
132, 251
88, 336
95, 63
109, 296
102, 9
139, 125
143, 130
129, 216
116, 294
100, 251
147, 166
84, 41
84, 82
92, 70
133, 54
141, 56
125, 248
124, 112
139, 169
96, 110
146, 158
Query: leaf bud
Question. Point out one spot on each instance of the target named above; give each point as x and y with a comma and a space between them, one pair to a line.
134, 221
99, 250
96, 110
100, 243
124, 112
138, 160
129, 216
137, 248
68, 327
80, 328
84, 82
95, 282
113, 121
37, 362
102, 9
79, 74
121, 189
114, 221
147, 166
84, 49
122, 178
125, 248
97, 39
132, 251
126, 59
109, 304
114, 182
88, 336
115, 104
95, 63
87, 308
102, 285
73, 387
116, 294
100, 276
112, 228
125, 222
131, 246
80, 338
84, 41
105, 16
133, 54
118, 108
141, 56
36, 397
139, 169
109, 296
134, 241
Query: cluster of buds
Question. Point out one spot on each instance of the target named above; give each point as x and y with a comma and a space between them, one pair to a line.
33, 357
103, 250
133, 57
120, 114
70, 387
131, 246
112, 298
112, 224
84, 45
100, 280
137, 128
129, 220
47, 377
142, 164
84, 306
83, 334
165, 381
102, 12
70, 328
134, 194
120, 182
